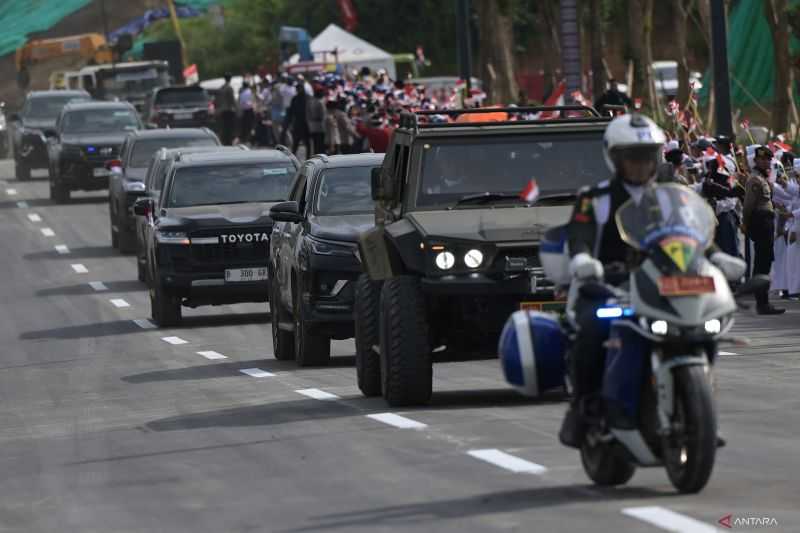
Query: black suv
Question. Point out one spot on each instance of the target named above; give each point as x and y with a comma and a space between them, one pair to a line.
178, 107
127, 175
211, 227
313, 255
87, 135
455, 247
154, 178
34, 125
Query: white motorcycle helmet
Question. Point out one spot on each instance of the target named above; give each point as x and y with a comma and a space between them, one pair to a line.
635, 138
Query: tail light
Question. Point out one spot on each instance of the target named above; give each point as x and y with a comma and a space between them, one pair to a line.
211, 107
113, 163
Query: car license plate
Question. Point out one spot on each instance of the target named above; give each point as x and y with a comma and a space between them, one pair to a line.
235, 275
183, 116
101, 172
685, 285
551, 306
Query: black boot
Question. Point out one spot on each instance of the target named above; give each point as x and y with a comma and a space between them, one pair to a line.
572, 428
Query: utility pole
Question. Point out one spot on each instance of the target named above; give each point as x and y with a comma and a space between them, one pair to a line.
464, 45
722, 84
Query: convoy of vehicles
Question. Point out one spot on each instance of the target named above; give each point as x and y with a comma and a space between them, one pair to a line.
129, 82
128, 172
313, 255
454, 248
87, 135
209, 243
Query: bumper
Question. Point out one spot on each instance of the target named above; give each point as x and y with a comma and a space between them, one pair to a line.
80, 175
206, 289
478, 284
330, 295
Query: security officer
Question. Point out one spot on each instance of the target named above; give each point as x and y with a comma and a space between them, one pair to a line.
758, 215
632, 148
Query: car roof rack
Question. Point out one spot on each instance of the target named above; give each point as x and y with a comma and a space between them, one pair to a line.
411, 120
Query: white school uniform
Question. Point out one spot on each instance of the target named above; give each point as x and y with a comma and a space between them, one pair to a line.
792, 258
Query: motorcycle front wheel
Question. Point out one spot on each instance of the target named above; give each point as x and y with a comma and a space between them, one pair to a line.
691, 446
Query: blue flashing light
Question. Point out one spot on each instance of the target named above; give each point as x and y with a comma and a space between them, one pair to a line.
91, 149
627, 311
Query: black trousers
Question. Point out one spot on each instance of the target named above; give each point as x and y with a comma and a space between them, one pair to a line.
248, 119
762, 233
588, 355
318, 139
228, 127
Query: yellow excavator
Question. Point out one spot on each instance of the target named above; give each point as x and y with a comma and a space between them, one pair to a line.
42, 62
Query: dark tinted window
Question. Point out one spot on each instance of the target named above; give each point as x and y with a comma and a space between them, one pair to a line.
230, 184
343, 191
100, 121
561, 162
48, 107
193, 96
144, 149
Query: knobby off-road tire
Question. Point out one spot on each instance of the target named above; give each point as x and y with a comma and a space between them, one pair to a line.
367, 329
693, 411
406, 364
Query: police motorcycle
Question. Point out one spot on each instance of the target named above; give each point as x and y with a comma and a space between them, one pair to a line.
655, 406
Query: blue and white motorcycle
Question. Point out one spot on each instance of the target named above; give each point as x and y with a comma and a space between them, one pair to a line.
656, 405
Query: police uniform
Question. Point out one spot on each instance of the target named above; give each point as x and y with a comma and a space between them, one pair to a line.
759, 220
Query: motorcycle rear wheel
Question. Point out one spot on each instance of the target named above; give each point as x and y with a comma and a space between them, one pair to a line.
604, 466
689, 452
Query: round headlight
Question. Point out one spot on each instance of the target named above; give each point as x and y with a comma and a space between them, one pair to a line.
473, 258
713, 326
445, 260
659, 327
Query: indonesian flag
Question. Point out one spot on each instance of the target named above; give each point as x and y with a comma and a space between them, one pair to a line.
745, 124
190, 75
349, 15
637, 103
673, 108
781, 146
531, 192
556, 98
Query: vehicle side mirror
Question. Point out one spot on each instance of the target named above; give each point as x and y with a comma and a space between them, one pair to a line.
113, 163
375, 183
14, 117
143, 207
286, 212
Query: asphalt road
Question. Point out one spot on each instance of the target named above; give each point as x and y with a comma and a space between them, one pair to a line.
110, 425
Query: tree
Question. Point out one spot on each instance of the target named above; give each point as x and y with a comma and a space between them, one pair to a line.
496, 46
775, 12
680, 14
596, 28
640, 25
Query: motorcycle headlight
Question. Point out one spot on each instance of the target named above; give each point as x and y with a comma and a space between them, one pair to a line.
713, 327
323, 247
172, 237
659, 327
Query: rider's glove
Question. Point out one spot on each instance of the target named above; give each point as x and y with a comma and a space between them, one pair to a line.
731, 266
584, 267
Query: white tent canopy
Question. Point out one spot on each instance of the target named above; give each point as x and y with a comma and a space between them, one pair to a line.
352, 52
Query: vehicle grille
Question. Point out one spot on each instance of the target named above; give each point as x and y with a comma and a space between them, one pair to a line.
214, 253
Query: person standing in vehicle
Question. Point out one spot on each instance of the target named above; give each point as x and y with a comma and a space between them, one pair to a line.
613, 96
225, 104
632, 146
759, 222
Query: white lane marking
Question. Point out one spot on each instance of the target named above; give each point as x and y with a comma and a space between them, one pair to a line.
23, 205
667, 520
98, 286
174, 340
256, 372
33, 217
317, 394
144, 323
212, 355
62, 249
119, 302
47, 232
728, 353
507, 461
79, 268
397, 421
11, 192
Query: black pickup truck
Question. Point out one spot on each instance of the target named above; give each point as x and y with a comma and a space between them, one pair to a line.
314, 255
209, 243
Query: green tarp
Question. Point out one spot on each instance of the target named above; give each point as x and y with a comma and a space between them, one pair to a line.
18, 18
751, 56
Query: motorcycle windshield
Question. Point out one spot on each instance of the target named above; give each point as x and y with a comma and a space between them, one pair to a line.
666, 210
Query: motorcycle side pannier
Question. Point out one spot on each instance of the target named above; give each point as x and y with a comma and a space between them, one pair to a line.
554, 255
531, 351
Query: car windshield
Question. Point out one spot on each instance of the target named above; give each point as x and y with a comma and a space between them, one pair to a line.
230, 184
344, 191
100, 121
559, 162
184, 97
48, 108
133, 82
144, 149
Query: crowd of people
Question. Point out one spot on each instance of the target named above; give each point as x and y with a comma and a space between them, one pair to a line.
325, 112
755, 193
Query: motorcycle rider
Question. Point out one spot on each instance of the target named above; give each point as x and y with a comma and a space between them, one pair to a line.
632, 148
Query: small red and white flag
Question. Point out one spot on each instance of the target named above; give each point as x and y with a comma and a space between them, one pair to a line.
531, 192
556, 98
745, 124
637, 103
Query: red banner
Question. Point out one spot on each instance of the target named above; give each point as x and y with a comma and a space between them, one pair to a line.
349, 15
